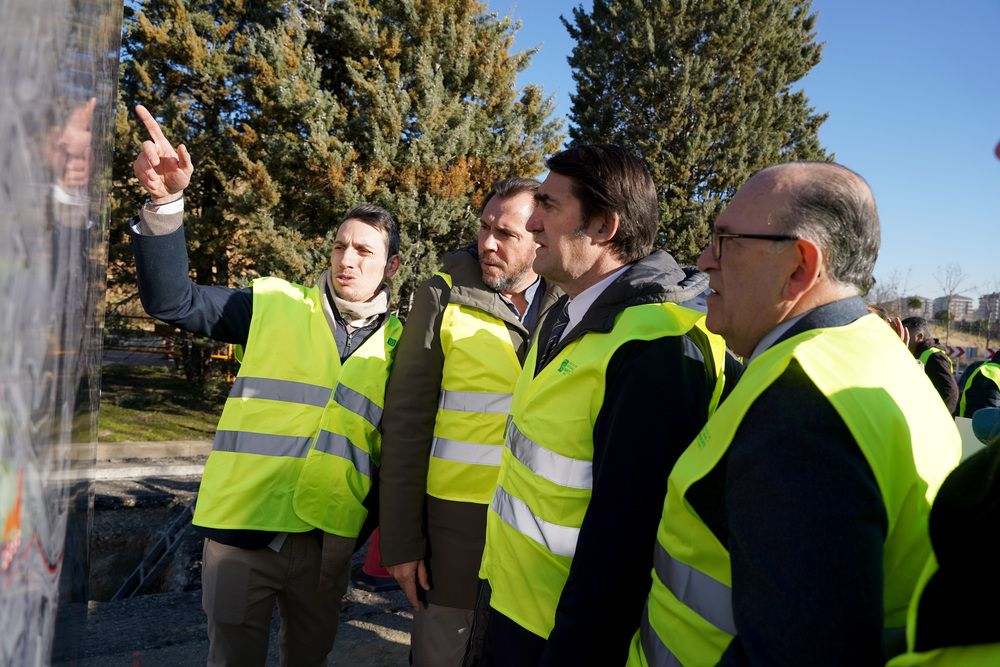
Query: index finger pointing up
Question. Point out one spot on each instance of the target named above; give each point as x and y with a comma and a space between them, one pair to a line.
151, 125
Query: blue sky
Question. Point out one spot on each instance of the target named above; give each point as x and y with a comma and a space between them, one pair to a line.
913, 93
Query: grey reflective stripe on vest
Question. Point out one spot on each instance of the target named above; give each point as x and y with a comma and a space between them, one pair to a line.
338, 445
697, 591
264, 444
558, 469
466, 452
560, 540
280, 390
656, 652
480, 402
359, 404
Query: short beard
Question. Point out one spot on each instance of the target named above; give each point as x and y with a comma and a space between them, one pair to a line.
505, 282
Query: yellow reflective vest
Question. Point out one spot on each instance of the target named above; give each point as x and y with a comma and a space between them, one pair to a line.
477, 378
926, 354
546, 475
902, 429
347, 450
990, 370
273, 412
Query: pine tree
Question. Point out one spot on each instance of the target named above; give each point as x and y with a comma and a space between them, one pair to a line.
295, 113
236, 82
701, 91
288, 147
433, 116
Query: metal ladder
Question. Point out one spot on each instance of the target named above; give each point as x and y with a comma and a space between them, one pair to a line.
158, 556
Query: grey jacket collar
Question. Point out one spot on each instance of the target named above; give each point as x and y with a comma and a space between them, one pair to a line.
656, 278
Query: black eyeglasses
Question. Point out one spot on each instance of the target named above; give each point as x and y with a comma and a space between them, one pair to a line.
718, 236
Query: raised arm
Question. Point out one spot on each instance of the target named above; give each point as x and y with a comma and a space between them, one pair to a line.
166, 291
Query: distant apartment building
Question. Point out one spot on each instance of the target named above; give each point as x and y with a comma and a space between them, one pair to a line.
989, 307
960, 307
926, 309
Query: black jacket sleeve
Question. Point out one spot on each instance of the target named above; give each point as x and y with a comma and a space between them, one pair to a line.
168, 294
938, 370
982, 393
806, 529
656, 402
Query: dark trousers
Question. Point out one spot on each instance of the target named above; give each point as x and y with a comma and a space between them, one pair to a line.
497, 641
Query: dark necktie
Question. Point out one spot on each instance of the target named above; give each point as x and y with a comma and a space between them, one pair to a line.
557, 331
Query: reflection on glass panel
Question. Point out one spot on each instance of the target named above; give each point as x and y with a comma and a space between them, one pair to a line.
58, 75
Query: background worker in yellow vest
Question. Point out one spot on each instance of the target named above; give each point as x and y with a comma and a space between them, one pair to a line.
937, 365
620, 378
316, 361
446, 407
981, 389
795, 527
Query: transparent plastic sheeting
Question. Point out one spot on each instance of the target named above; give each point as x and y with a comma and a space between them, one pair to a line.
58, 79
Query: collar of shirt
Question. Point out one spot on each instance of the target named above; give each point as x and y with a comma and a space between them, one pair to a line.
772, 337
579, 306
529, 296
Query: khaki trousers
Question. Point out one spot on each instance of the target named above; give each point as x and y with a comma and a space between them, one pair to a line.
240, 588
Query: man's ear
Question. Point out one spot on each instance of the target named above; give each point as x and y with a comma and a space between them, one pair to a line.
806, 272
607, 228
392, 266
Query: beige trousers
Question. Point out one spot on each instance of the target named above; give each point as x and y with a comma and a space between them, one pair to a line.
241, 586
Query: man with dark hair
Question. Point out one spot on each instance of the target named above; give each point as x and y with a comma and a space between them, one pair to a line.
281, 499
621, 377
795, 528
446, 407
936, 363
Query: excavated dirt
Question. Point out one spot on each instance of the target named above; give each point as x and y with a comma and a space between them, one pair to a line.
165, 627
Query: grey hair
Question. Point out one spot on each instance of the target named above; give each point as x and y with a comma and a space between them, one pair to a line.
918, 325
835, 209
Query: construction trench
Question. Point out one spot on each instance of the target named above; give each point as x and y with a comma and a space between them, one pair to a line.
145, 572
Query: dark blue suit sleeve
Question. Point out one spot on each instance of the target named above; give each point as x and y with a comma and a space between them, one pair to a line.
655, 403
806, 527
168, 294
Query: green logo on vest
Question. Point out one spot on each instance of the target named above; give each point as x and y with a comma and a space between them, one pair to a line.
566, 366
703, 438
392, 342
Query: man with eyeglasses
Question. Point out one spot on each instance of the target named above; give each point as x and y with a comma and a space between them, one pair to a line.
795, 526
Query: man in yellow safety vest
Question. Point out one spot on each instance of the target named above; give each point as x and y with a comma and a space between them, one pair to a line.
280, 503
794, 528
620, 378
937, 365
465, 339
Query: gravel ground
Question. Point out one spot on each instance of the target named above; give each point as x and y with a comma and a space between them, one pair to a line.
169, 629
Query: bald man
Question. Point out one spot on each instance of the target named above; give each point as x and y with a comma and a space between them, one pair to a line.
794, 531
